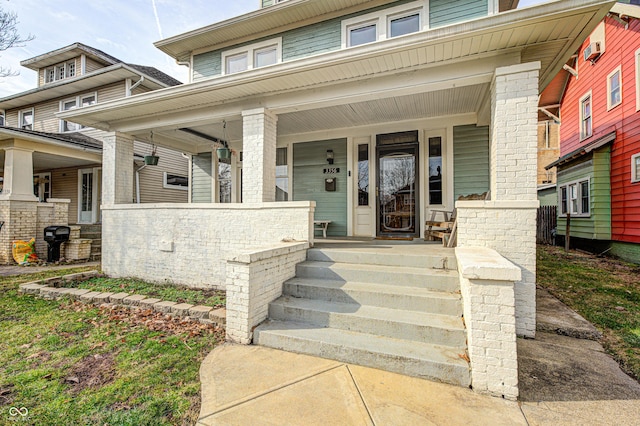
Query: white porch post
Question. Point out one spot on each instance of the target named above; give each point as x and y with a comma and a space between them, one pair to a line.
18, 175
259, 156
507, 223
117, 169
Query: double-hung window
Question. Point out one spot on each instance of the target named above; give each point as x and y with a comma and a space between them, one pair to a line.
73, 103
26, 119
282, 175
384, 24
253, 56
635, 168
614, 89
586, 117
574, 198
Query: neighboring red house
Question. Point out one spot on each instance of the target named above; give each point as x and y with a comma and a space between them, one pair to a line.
599, 165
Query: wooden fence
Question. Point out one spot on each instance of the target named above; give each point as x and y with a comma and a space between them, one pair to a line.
547, 222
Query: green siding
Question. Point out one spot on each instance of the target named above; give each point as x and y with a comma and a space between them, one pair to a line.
207, 65
626, 251
266, 3
298, 43
597, 168
470, 160
201, 178
445, 12
548, 197
309, 162
312, 40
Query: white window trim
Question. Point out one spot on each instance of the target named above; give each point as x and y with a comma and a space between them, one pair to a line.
56, 67
33, 117
46, 175
582, 99
3, 114
634, 177
382, 20
78, 99
250, 51
637, 57
578, 183
172, 186
610, 106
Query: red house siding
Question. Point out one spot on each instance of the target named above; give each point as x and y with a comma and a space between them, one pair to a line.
621, 45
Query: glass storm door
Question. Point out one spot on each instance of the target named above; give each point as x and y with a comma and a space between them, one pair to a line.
88, 186
397, 192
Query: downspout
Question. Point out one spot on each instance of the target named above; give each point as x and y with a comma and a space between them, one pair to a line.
138, 183
136, 84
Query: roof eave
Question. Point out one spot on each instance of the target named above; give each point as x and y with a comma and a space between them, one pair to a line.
46, 139
24, 98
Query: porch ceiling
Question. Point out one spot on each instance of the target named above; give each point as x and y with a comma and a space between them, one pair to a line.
44, 162
548, 33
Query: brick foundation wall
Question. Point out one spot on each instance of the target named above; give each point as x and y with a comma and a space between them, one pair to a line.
189, 243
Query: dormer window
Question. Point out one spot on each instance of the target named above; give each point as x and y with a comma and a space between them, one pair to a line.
60, 72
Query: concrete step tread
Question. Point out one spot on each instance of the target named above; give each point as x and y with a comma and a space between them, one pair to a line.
380, 268
389, 346
423, 319
435, 257
375, 288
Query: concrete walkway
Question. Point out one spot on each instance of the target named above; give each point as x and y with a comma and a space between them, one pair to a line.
563, 381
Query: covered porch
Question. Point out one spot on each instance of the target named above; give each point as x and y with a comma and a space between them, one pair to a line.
437, 114
46, 180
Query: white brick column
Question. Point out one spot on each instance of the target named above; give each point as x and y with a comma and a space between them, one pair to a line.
117, 169
507, 223
514, 132
259, 156
18, 175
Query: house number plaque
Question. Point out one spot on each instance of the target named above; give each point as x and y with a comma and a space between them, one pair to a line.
332, 170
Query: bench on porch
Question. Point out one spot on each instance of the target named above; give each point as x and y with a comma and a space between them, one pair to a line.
321, 225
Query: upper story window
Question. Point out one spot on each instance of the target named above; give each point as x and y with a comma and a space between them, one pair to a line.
26, 119
253, 56
635, 168
614, 89
388, 23
2, 120
586, 125
60, 72
69, 104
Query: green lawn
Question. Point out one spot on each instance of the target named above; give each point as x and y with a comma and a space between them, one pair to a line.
604, 291
69, 363
174, 293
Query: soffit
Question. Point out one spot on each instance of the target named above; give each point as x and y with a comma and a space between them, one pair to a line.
291, 13
87, 82
548, 33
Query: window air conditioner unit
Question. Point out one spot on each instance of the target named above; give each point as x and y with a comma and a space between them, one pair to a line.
592, 51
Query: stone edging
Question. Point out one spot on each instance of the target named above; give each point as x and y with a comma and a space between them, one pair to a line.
52, 288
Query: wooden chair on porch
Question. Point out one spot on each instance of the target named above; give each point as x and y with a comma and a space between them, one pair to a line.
446, 229
443, 229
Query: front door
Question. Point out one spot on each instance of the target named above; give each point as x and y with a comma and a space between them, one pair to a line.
88, 195
397, 186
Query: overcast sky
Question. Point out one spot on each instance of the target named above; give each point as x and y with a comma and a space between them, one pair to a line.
125, 29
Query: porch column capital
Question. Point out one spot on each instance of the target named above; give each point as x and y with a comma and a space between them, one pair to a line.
260, 111
18, 175
117, 169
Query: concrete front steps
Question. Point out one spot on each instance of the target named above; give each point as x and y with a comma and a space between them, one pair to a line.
94, 233
395, 311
